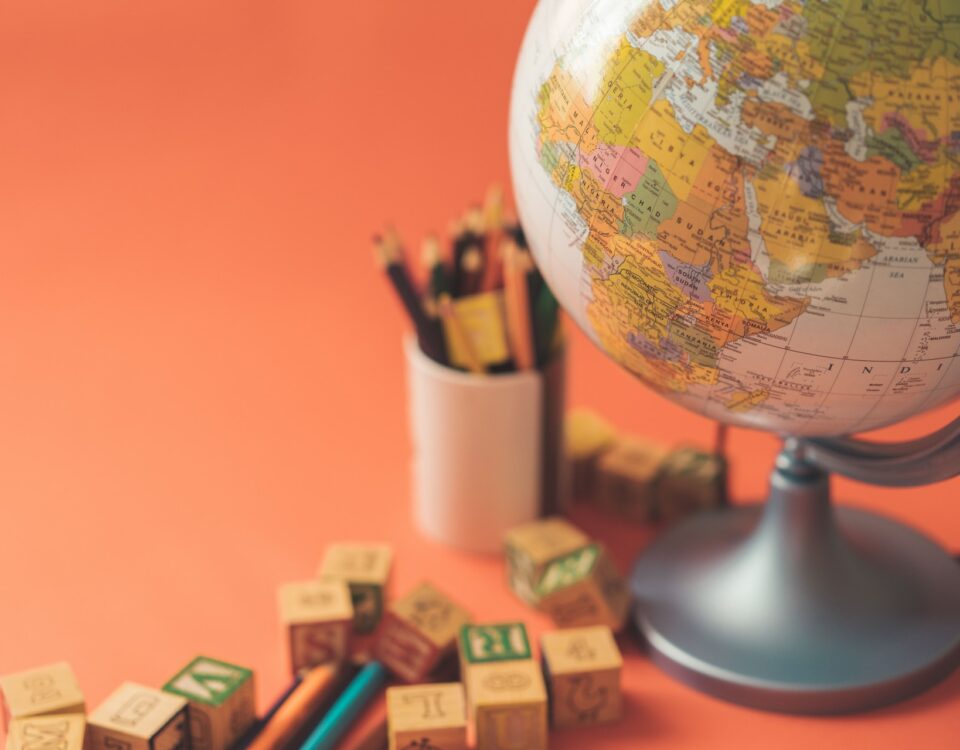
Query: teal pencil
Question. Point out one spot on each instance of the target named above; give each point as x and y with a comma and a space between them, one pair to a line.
348, 706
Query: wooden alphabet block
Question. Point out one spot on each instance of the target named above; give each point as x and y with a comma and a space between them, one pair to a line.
366, 570
427, 717
532, 546
584, 588
221, 698
49, 732
508, 701
495, 642
319, 617
52, 689
627, 476
135, 717
587, 436
582, 667
690, 480
418, 631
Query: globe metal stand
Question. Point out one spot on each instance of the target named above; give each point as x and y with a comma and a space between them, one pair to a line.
801, 607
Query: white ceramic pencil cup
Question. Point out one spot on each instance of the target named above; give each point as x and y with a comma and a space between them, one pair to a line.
486, 449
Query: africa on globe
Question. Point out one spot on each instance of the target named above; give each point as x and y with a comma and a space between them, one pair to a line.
754, 206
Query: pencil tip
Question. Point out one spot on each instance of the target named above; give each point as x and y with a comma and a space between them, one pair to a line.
430, 251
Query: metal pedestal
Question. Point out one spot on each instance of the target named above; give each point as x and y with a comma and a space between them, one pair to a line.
797, 606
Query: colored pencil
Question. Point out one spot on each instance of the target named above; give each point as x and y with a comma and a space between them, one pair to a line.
515, 232
470, 236
369, 732
347, 707
438, 282
472, 273
305, 700
493, 234
460, 240
546, 314
449, 314
244, 741
516, 265
390, 256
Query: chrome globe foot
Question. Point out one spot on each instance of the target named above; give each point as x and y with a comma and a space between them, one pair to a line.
798, 607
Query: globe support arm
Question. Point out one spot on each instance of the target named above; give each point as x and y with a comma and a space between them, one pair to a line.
933, 458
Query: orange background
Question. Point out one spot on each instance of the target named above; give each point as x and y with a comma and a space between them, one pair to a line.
200, 373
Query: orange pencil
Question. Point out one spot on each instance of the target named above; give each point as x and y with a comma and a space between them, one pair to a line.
370, 733
315, 688
449, 313
516, 265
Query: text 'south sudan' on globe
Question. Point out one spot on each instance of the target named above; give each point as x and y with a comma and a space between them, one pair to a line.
754, 206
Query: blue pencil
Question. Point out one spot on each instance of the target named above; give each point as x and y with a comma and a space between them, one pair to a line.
348, 706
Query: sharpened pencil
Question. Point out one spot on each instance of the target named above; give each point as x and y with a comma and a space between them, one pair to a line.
347, 707
316, 686
471, 236
493, 234
248, 737
472, 278
516, 265
390, 256
438, 281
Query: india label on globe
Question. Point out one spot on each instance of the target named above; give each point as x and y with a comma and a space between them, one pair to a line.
753, 206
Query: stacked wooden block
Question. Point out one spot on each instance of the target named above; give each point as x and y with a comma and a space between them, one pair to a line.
506, 695
43, 707
425, 639
558, 569
205, 706
333, 615
640, 480
220, 701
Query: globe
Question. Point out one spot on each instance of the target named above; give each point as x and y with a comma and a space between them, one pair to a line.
753, 206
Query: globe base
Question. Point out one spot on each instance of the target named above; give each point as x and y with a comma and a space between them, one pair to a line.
799, 607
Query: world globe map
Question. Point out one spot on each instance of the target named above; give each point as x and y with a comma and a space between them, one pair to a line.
752, 206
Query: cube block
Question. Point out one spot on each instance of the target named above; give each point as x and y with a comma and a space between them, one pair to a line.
508, 701
494, 642
366, 570
418, 631
582, 667
584, 588
587, 436
52, 689
221, 698
627, 476
532, 546
318, 616
690, 480
427, 716
135, 717
47, 732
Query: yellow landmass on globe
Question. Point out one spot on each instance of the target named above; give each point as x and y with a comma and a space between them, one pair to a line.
925, 101
798, 235
563, 112
679, 154
743, 401
748, 309
625, 93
